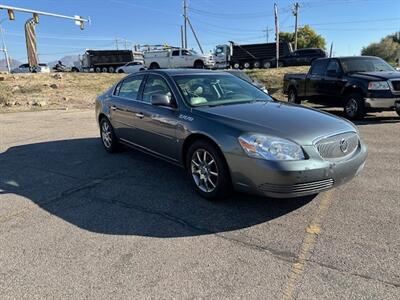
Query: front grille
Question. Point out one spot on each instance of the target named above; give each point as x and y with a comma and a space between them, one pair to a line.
309, 187
338, 146
396, 85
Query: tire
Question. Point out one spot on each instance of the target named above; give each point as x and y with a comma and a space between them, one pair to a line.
210, 177
292, 96
111, 69
236, 65
107, 135
198, 64
154, 65
97, 70
257, 65
104, 70
246, 65
398, 111
120, 71
281, 64
75, 70
354, 108
266, 64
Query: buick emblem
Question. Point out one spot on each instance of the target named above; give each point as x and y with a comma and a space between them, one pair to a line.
343, 145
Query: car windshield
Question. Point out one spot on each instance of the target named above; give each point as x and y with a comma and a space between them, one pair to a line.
217, 89
365, 64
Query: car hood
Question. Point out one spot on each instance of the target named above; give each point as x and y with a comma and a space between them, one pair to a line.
377, 75
294, 122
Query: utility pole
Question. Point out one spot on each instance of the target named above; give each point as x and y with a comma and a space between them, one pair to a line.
116, 43
266, 33
276, 33
4, 49
185, 23
182, 42
295, 13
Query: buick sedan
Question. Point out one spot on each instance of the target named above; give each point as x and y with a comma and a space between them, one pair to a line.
228, 134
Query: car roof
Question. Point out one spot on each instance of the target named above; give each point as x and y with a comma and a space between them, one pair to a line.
347, 57
176, 72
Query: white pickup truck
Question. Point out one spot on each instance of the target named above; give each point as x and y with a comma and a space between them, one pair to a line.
177, 58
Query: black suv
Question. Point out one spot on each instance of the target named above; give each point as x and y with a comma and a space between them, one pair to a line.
357, 83
301, 57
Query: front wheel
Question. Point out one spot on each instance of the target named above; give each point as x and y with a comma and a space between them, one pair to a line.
208, 171
354, 107
108, 137
292, 97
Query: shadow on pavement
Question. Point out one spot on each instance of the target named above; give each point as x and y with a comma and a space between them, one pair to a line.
128, 193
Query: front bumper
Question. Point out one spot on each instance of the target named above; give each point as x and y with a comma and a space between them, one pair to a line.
287, 179
387, 103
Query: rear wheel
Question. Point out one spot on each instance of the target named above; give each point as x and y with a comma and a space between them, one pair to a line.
354, 106
121, 71
236, 65
104, 69
97, 69
257, 64
208, 171
108, 137
111, 69
154, 65
266, 64
292, 96
246, 65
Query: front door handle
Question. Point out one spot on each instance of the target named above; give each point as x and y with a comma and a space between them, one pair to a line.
112, 107
140, 115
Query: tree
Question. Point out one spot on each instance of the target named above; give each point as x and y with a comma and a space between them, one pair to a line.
306, 38
388, 48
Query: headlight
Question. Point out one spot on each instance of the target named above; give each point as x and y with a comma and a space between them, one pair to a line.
270, 147
378, 85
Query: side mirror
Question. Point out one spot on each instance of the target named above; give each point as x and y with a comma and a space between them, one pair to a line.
161, 100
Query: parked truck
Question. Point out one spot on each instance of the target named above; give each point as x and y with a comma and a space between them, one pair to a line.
248, 56
177, 58
105, 60
358, 84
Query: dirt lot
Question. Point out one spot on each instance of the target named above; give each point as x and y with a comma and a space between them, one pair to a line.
25, 92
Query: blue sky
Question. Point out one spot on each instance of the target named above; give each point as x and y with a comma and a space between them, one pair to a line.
349, 24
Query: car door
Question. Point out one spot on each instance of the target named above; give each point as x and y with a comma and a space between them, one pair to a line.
157, 125
176, 59
333, 83
315, 78
123, 106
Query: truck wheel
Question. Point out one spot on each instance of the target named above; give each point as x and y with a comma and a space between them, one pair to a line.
121, 71
76, 70
97, 69
236, 65
154, 65
111, 70
257, 64
354, 106
104, 70
246, 65
198, 64
266, 64
281, 64
292, 96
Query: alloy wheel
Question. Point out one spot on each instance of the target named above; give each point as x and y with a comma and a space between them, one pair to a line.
204, 170
106, 134
351, 107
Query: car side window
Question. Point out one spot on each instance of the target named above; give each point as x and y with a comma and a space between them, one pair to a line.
175, 53
129, 88
333, 66
319, 67
185, 52
155, 85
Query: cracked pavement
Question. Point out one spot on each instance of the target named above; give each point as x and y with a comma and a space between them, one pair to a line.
78, 222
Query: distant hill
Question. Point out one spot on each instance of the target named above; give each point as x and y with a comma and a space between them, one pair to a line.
14, 63
66, 60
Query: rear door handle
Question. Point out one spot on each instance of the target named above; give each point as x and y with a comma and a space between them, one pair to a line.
140, 115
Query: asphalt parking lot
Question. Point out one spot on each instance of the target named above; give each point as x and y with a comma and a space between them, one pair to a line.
77, 222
